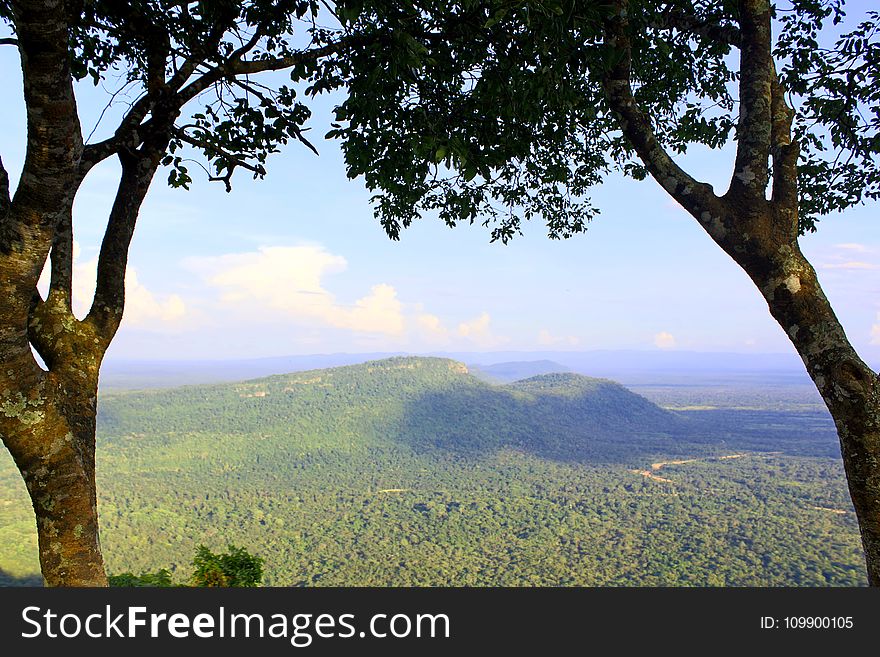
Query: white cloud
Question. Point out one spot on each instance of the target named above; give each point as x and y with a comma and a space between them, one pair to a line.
285, 277
850, 266
850, 256
378, 312
547, 339
479, 332
875, 331
291, 285
475, 327
431, 329
664, 340
852, 246
289, 281
143, 308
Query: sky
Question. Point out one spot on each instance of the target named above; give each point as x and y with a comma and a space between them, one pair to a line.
296, 264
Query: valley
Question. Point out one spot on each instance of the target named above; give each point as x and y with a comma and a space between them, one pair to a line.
414, 472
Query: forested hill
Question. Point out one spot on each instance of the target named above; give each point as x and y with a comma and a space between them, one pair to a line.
414, 472
427, 403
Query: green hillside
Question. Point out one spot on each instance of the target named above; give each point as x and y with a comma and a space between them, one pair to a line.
419, 403
411, 471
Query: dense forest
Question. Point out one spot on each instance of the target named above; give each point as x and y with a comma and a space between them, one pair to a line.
412, 471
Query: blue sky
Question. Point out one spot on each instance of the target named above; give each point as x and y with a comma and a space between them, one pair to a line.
296, 264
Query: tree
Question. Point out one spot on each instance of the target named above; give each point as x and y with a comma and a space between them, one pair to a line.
170, 56
160, 579
236, 567
500, 111
525, 103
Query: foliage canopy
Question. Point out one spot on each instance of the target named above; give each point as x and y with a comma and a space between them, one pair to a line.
496, 110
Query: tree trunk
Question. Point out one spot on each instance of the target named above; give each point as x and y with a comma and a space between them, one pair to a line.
761, 236
47, 418
46, 425
850, 388
47, 421
764, 244
58, 468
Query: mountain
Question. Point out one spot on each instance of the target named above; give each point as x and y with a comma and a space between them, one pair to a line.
414, 472
516, 370
582, 402
422, 403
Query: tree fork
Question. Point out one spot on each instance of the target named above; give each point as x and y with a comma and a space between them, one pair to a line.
44, 423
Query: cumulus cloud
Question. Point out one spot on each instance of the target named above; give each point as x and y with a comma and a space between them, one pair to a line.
479, 331
289, 281
547, 339
378, 312
664, 340
475, 327
431, 329
143, 307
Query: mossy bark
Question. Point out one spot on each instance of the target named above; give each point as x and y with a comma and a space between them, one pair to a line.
56, 460
47, 418
47, 421
770, 255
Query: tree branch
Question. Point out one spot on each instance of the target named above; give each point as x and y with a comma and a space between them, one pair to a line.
784, 153
61, 285
9, 42
233, 66
296, 131
126, 137
5, 200
209, 45
234, 159
132, 132
138, 170
694, 196
54, 143
677, 19
755, 74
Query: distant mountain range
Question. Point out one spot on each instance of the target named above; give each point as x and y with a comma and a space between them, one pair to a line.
630, 367
515, 370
